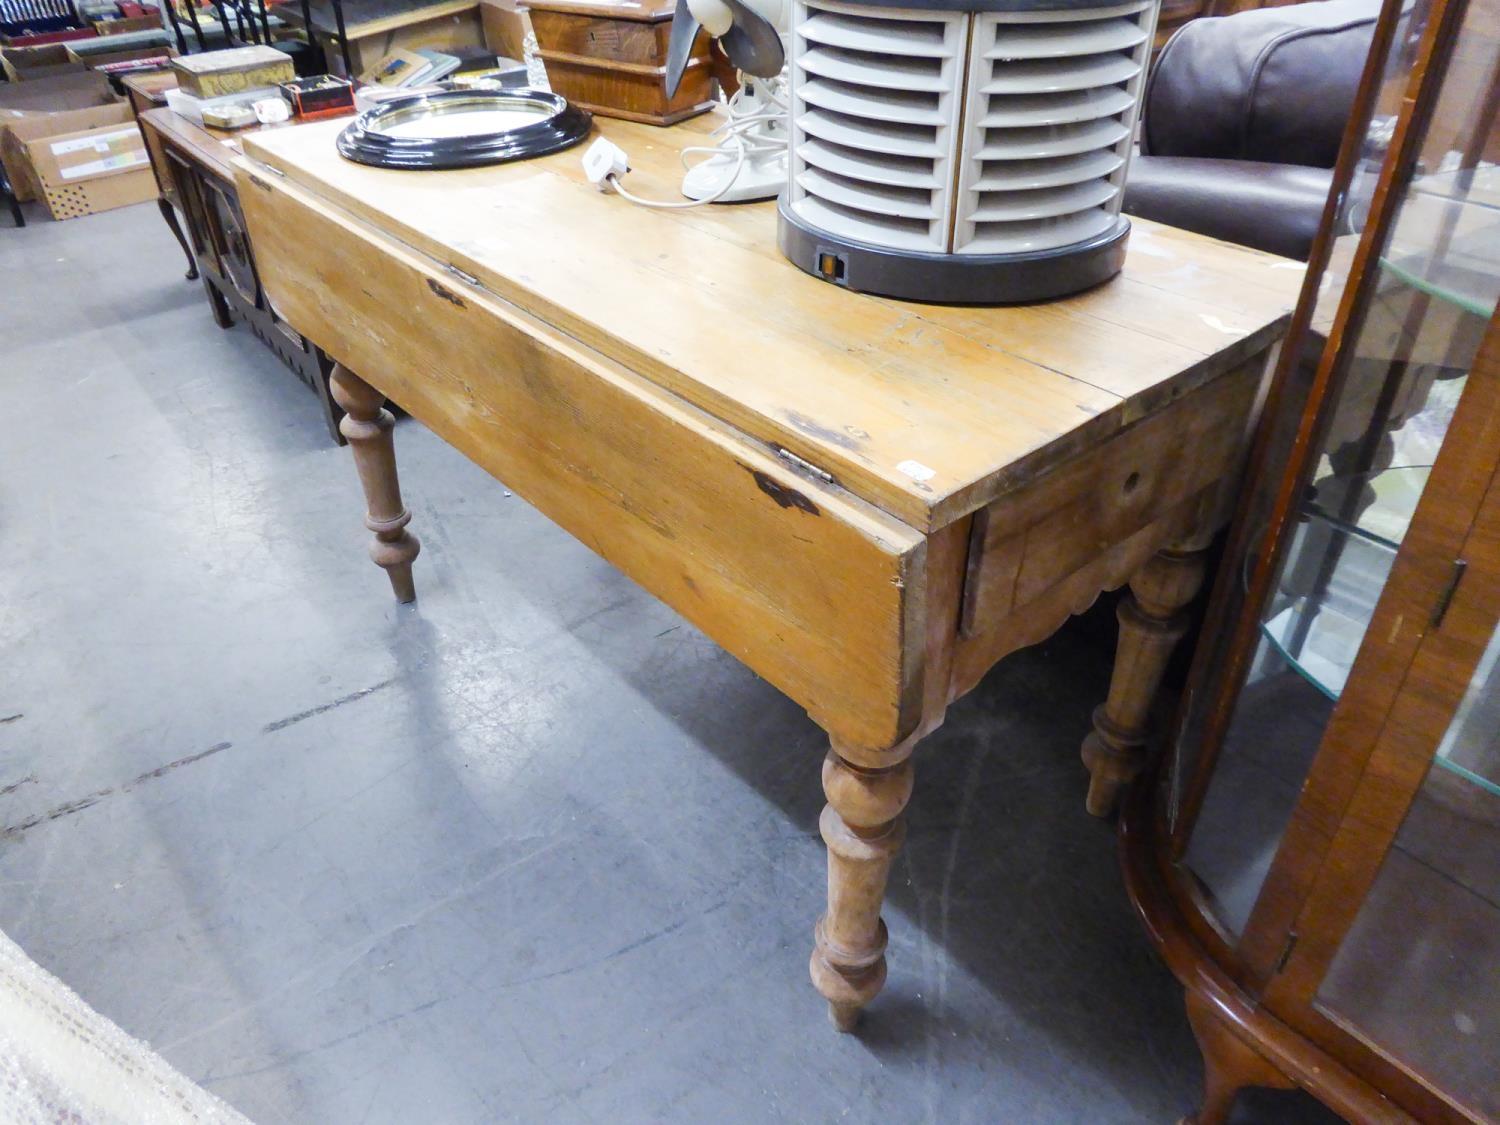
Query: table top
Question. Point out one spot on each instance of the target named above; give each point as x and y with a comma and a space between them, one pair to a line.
927, 412
215, 148
152, 85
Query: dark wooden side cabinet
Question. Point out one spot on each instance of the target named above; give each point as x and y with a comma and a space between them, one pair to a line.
196, 179
1319, 859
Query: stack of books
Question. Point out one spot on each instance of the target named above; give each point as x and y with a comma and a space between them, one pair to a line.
403, 67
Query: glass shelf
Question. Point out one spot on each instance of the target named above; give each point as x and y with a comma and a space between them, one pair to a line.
1471, 748
1336, 569
1446, 241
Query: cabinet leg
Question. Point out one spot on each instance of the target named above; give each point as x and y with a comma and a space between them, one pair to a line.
367, 425
1152, 621
323, 387
1229, 1065
216, 302
169, 213
863, 828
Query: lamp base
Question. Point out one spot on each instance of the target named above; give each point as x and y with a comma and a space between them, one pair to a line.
959, 279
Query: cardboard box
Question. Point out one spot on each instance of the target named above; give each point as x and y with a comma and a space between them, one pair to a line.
87, 169
65, 159
93, 196
33, 73
22, 63
127, 54
75, 90
45, 108
16, 133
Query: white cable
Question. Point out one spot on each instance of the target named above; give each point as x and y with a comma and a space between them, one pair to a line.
740, 130
741, 136
675, 205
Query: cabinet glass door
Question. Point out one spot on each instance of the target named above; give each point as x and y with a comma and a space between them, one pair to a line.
1419, 971
1405, 359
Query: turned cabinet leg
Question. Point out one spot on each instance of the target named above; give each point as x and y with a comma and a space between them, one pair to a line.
1229, 1065
1152, 621
169, 213
863, 828
367, 426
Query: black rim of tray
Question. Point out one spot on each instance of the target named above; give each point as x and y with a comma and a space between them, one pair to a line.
365, 143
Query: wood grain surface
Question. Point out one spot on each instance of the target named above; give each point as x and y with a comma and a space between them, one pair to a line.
927, 412
812, 587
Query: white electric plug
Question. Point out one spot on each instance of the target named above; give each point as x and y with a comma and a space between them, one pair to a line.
603, 161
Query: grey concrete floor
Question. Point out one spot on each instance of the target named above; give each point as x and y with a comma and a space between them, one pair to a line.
532, 849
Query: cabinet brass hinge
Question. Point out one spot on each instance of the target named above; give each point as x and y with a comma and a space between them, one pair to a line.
1445, 599
1286, 952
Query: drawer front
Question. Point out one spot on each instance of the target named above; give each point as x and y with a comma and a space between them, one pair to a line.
1047, 551
817, 592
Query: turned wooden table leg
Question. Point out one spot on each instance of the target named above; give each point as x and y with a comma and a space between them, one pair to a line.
1152, 621
367, 426
863, 828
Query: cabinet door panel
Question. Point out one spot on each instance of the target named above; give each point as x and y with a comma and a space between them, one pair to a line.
233, 242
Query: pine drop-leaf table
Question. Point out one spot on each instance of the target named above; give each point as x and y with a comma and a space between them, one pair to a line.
866, 501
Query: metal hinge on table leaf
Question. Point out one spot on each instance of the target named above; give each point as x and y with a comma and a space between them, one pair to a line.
468, 278
806, 466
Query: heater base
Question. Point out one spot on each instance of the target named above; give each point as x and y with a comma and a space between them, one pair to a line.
958, 279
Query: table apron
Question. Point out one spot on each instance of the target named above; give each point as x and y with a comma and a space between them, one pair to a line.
1045, 552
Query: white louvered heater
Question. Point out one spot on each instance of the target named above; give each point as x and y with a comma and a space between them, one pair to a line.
968, 154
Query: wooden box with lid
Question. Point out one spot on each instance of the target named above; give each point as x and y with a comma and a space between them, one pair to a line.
610, 57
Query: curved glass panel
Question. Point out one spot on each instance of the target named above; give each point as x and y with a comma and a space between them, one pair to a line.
1416, 972
1404, 365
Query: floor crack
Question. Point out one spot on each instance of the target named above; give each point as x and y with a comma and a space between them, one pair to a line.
81, 803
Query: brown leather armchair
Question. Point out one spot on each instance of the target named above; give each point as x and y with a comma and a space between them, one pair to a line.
1242, 121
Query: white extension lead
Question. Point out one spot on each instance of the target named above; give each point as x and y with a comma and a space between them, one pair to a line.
749, 133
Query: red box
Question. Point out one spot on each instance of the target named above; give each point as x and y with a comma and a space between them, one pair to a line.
321, 96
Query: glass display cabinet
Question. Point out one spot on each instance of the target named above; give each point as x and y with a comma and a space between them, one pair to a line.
1318, 858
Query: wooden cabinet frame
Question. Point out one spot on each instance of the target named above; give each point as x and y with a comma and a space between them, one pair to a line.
198, 181
1253, 996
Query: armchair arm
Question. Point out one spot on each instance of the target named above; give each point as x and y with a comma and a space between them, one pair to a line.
1269, 84
1271, 207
